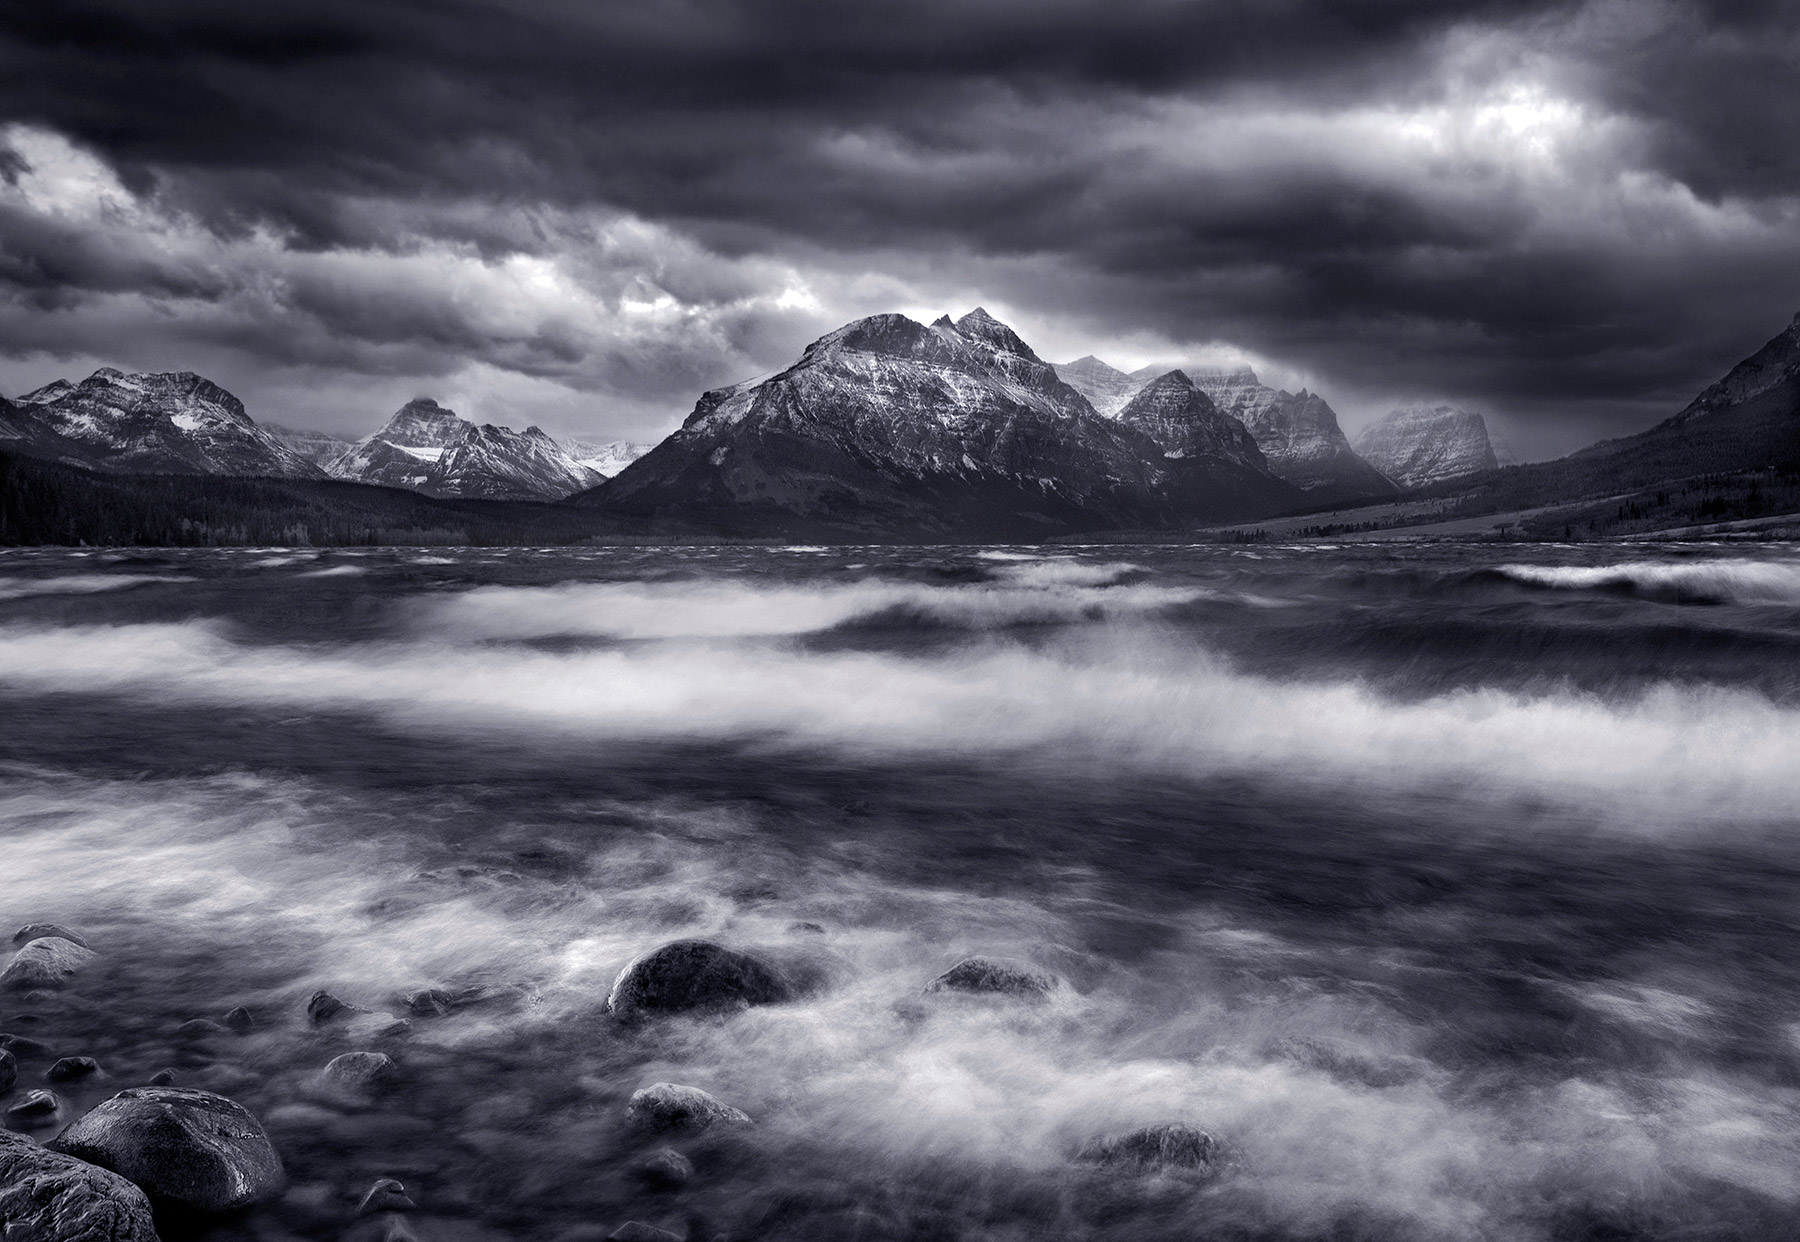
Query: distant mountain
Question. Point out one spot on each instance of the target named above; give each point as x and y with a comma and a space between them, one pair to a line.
1299, 434
319, 447
429, 449
1424, 444
1185, 423
606, 459
171, 423
892, 427
1106, 387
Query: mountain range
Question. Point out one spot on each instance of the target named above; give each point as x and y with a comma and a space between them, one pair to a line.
890, 428
952, 429
1298, 433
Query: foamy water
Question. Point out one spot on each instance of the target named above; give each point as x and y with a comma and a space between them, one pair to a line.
1453, 907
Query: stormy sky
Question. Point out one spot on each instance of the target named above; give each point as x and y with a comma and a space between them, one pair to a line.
1569, 216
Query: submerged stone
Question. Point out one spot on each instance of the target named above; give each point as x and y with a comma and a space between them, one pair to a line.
999, 976
47, 962
694, 974
44, 931
188, 1149
35, 1109
46, 1196
1173, 1145
386, 1195
239, 1021
664, 1169
69, 1069
670, 1106
357, 1076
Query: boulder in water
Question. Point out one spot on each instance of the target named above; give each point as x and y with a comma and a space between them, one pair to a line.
46, 1196
694, 974
386, 1195
1172, 1145
20, 1046
357, 1077
664, 1169
44, 931
163, 1078
70, 1069
239, 1021
36, 1109
9, 1071
999, 976
47, 962
670, 1106
187, 1149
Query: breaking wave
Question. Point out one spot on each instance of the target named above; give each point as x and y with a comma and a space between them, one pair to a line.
1708, 581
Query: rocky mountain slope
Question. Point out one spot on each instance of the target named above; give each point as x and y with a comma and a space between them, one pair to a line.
1186, 424
1106, 387
1423, 444
889, 426
1299, 434
170, 423
430, 449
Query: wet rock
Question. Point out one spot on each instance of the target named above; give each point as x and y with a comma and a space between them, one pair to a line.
49, 1197
186, 1149
694, 974
664, 1169
48, 962
198, 1028
1000, 976
1172, 1145
163, 1078
808, 927
437, 1002
669, 1106
323, 1007
20, 1046
45, 931
73, 1069
386, 1195
638, 1231
239, 1021
357, 1076
36, 1108
9, 1071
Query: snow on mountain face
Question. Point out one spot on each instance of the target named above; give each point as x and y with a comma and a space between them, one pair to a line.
175, 423
606, 459
1186, 424
1106, 387
1418, 445
1298, 433
428, 448
890, 424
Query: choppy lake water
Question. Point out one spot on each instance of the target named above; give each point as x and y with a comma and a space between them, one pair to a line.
1453, 889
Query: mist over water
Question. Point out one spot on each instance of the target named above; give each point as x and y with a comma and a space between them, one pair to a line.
1451, 889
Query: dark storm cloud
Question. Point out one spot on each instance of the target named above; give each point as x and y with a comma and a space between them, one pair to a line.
1565, 210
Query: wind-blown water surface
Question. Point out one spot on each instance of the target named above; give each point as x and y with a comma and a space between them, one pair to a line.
1454, 890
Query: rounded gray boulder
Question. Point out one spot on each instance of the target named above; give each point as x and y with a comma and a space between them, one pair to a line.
41, 931
47, 962
670, 1106
46, 1196
695, 974
997, 976
187, 1149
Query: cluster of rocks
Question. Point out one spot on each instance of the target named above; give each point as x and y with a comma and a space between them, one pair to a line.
164, 1150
